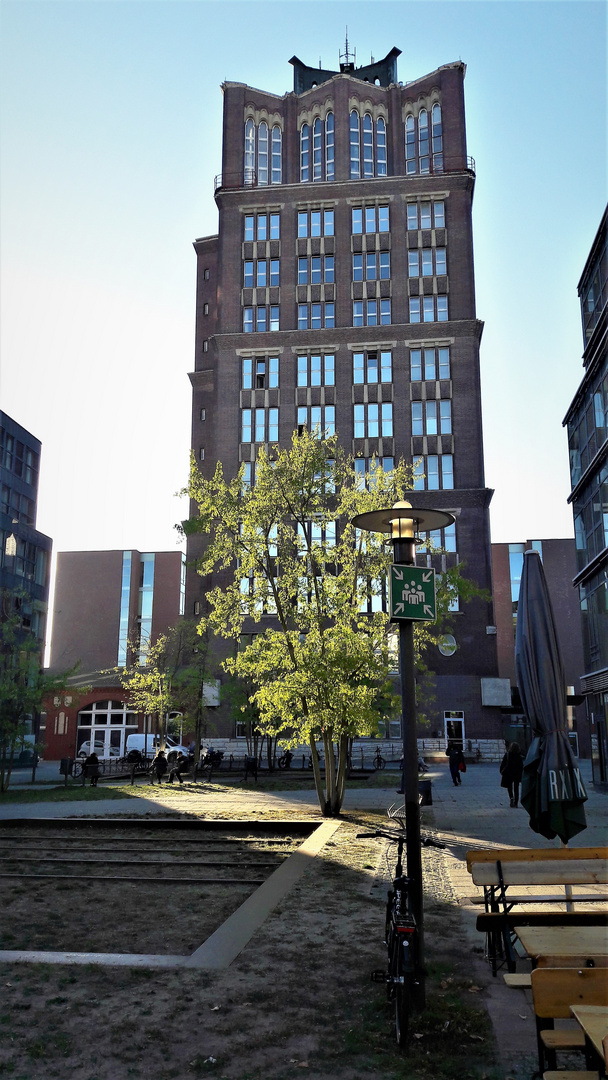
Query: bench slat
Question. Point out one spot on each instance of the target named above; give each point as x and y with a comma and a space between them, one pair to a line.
538, 898
534, 854
518, 982
550, 872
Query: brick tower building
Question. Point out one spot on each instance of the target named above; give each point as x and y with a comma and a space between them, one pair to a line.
340, 291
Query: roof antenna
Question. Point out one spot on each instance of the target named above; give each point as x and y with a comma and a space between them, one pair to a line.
347, 59
319, 63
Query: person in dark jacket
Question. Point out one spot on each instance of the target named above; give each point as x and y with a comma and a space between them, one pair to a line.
511, 769
456, 760
159, 767
181, 766
91, 766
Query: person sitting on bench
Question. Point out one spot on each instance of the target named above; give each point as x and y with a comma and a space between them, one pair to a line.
181, 766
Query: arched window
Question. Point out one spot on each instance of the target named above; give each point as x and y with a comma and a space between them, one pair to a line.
249, 176
329, 146
263, 153
437, 139
317, 150
410, 145
380, 147
423, 141
305, 153
277, 173
368, 145
355, 146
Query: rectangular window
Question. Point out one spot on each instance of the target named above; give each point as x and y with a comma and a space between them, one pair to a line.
440, 261
370, 219
444, 363
428, 308
357, 313
357, 220
412, 216
315, 371
385, 265
417, 425
328, 268
273, 371
427, 262
302, 271
372, 420
329, 364
273, 425
439, 215
425, 215
387, 419
302, 223
302, 316
415, 364
370, 266
274, 272
248, 275
429, 364
366, 369
246, 426
431, 417
357, 267
371, 313
262, 224
302, 371
386, 367
383, 221
274, 317
262, 273
385, 312
445, 415
260, 320
247, 383
260, 425
315, 270
442, 309
413, 263
248, 320
315, 223
328, 222
275, 227
330, 316
434, 473
315, 316
414, 309
321, 419
249, 227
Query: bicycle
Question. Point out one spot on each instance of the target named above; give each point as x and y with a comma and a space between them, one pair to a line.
379, 762
404, 974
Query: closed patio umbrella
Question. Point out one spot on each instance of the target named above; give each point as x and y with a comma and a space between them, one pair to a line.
552, 789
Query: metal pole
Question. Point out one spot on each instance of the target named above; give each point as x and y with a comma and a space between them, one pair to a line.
404, 554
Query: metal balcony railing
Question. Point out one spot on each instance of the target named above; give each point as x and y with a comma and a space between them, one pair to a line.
236, 180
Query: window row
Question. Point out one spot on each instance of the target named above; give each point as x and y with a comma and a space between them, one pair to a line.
260, 425
434, 472
372, 421
363, 466
316, 269
262, 153
367, 146
262, 227
369, 367
18, 458
261, 273
371, 312
432, 417
364, 219
428, 309
260, 319
424, 142
317, 146
426, 262
371, 266
17, 505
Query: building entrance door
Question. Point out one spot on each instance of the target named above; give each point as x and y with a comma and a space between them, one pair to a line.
454, 726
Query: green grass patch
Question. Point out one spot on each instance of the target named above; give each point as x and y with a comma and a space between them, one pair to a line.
71, 793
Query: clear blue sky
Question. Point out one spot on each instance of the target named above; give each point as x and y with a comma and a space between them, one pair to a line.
111, 135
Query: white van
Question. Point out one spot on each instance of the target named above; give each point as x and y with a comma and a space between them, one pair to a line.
148, 745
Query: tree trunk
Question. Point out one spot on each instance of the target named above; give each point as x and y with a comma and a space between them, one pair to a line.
323, 803
343, 756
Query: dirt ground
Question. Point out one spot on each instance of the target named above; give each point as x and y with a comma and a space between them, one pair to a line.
297, 1001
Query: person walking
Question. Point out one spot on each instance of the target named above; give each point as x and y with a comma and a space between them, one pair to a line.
159, 767
511, 769
456, 760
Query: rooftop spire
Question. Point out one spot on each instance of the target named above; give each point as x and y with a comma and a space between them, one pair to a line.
347, 59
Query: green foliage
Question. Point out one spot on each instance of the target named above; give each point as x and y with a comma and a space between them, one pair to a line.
286, 548
23, 688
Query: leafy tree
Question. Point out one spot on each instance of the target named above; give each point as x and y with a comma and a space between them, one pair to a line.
23, 688
286, 548
170, 680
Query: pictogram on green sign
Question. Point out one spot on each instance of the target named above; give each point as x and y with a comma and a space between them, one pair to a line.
413, 593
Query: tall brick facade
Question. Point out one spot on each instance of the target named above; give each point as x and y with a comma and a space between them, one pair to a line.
340, 290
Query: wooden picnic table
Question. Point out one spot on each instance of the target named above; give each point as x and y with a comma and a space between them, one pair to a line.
547, 946
594, 1022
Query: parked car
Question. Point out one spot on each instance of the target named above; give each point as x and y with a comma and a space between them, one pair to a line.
148, 745
99, 748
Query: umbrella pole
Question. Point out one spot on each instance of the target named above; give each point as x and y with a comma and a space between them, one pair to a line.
567, 888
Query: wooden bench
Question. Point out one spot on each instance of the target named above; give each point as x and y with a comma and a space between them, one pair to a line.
532, 868
554, 990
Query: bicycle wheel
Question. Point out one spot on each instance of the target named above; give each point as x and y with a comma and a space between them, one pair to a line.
380, 762
402, 982
77, 769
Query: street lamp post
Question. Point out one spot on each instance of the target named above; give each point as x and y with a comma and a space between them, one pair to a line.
411, 601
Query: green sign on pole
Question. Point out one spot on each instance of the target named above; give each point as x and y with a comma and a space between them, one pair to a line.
413, 593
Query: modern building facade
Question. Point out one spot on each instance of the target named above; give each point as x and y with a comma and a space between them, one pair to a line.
587, 423
25, 553
339, 292
559, 564
108, 605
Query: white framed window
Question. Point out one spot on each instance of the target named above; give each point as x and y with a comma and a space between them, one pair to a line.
429, 308
260, 319
432, 417
260, 372
434, 472
316, 370
259, 426
316, 222
319, 418
316, 269
372, 366
372, 420
371, 266
261, 227
363, 467
317, 149
426, 215
370, 219
316, 316
371, 312
429, 364
263, 153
